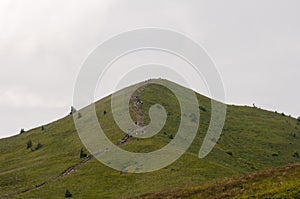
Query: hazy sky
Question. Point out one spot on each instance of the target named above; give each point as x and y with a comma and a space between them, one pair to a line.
255, 45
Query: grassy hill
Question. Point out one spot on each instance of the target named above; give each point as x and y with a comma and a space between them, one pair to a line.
253, 140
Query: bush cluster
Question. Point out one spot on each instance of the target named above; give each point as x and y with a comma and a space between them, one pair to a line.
37, 147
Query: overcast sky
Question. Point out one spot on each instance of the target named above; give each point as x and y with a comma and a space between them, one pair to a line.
255, 45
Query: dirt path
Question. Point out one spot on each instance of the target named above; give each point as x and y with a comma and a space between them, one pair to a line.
136, 107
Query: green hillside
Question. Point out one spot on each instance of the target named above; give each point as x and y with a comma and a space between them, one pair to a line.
253, 139
279, 182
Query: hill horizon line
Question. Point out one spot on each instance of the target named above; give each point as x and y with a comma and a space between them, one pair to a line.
109, 94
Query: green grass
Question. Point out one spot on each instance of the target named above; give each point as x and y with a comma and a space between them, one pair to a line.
279, 182
248, 143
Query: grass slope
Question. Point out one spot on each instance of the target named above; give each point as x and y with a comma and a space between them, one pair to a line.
279, 182
252, 139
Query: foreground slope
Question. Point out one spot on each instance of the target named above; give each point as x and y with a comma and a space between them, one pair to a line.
279, 182
252, 139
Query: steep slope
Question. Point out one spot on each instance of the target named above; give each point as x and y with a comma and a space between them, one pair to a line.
252, 139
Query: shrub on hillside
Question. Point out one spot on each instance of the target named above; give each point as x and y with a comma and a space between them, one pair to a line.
38, 146
298, 119
29, 144
73, 110
293, 135
22, 131
82, 153
202, 108
296, 154
68, 194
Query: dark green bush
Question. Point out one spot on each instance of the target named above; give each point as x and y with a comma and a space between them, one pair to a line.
293, 135
82, 153
29, 144
38, 146
68, 194
73, 110
171, 136
202, 108
22, 131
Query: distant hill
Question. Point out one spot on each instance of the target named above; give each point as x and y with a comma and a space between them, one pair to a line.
253, 141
